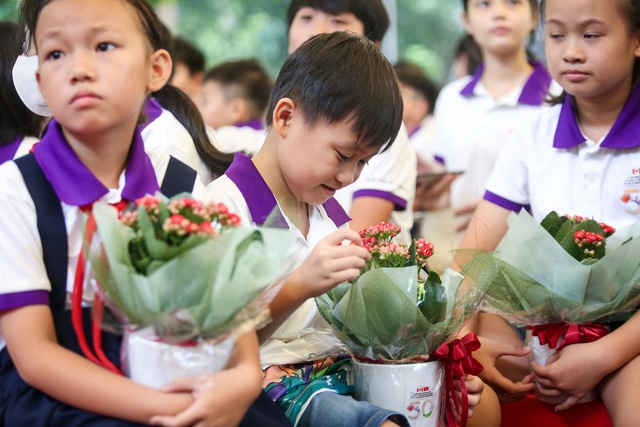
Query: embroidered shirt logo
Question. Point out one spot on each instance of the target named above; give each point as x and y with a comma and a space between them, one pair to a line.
631, 196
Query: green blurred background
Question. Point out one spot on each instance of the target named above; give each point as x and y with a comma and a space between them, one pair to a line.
427, 30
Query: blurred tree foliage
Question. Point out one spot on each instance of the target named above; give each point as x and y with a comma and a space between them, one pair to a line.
225, 30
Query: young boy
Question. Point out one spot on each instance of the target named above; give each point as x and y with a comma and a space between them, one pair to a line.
235, 95
386, 189
325, 122
188, 68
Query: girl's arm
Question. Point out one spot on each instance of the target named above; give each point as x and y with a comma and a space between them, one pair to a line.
487, 227
369, 211
222, 398
329, 264
44, 364
578, 368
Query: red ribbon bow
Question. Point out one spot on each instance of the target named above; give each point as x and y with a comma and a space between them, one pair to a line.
458, 362
551, 333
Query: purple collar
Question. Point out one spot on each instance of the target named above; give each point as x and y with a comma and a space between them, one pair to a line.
260, 199
152, 110
623, 134
74, 183
534, 91
253, 124
415, 130
8, 152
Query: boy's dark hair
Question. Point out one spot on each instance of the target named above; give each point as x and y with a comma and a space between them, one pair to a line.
16, 120
371, 13
170, 97
412, 75
246, 79
184, 52
341, 76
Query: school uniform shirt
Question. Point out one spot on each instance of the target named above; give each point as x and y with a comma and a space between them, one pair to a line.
390, 176
421, 140
472, 127
18, 148
245, 192
246, 137
24, 276
164, 133
549, 164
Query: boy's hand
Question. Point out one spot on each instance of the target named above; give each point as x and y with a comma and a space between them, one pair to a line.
475, 387
331, 262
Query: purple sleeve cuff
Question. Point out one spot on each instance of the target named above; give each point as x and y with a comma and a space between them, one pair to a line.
504, 203
23, 299
439, 159
399, 204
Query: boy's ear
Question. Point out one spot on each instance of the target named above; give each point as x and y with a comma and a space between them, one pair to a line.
161, 65
283, 114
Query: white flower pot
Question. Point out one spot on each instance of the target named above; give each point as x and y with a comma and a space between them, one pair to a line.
413, 390
153, 363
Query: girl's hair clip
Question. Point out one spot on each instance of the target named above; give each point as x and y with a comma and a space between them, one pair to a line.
26, 43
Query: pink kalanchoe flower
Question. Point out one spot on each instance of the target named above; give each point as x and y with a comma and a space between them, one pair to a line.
151, 204
176, 224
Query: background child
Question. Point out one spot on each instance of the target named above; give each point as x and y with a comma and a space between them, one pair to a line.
188, 68
579, 158
19, 127
98, 60
419, 95
235, 95
386, 189
475, 114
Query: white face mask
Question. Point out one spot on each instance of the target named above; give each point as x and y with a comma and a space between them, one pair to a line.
24, 79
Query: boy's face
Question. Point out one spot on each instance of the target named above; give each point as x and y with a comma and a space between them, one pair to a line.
317, 161
216, 110
309, 22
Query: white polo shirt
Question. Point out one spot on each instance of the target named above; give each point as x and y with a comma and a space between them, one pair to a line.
245, 192
390, 176
549, 164
164, 133
421, 140
471, 128
245, 137
24, 277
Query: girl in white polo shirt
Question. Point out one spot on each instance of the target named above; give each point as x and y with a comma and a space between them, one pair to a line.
474, 115
580, 157
97, 62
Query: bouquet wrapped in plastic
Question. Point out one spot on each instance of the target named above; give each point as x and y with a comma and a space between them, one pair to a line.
395, 318
184, 280
564, 277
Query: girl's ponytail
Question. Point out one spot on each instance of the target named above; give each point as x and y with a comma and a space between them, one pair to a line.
178, 103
